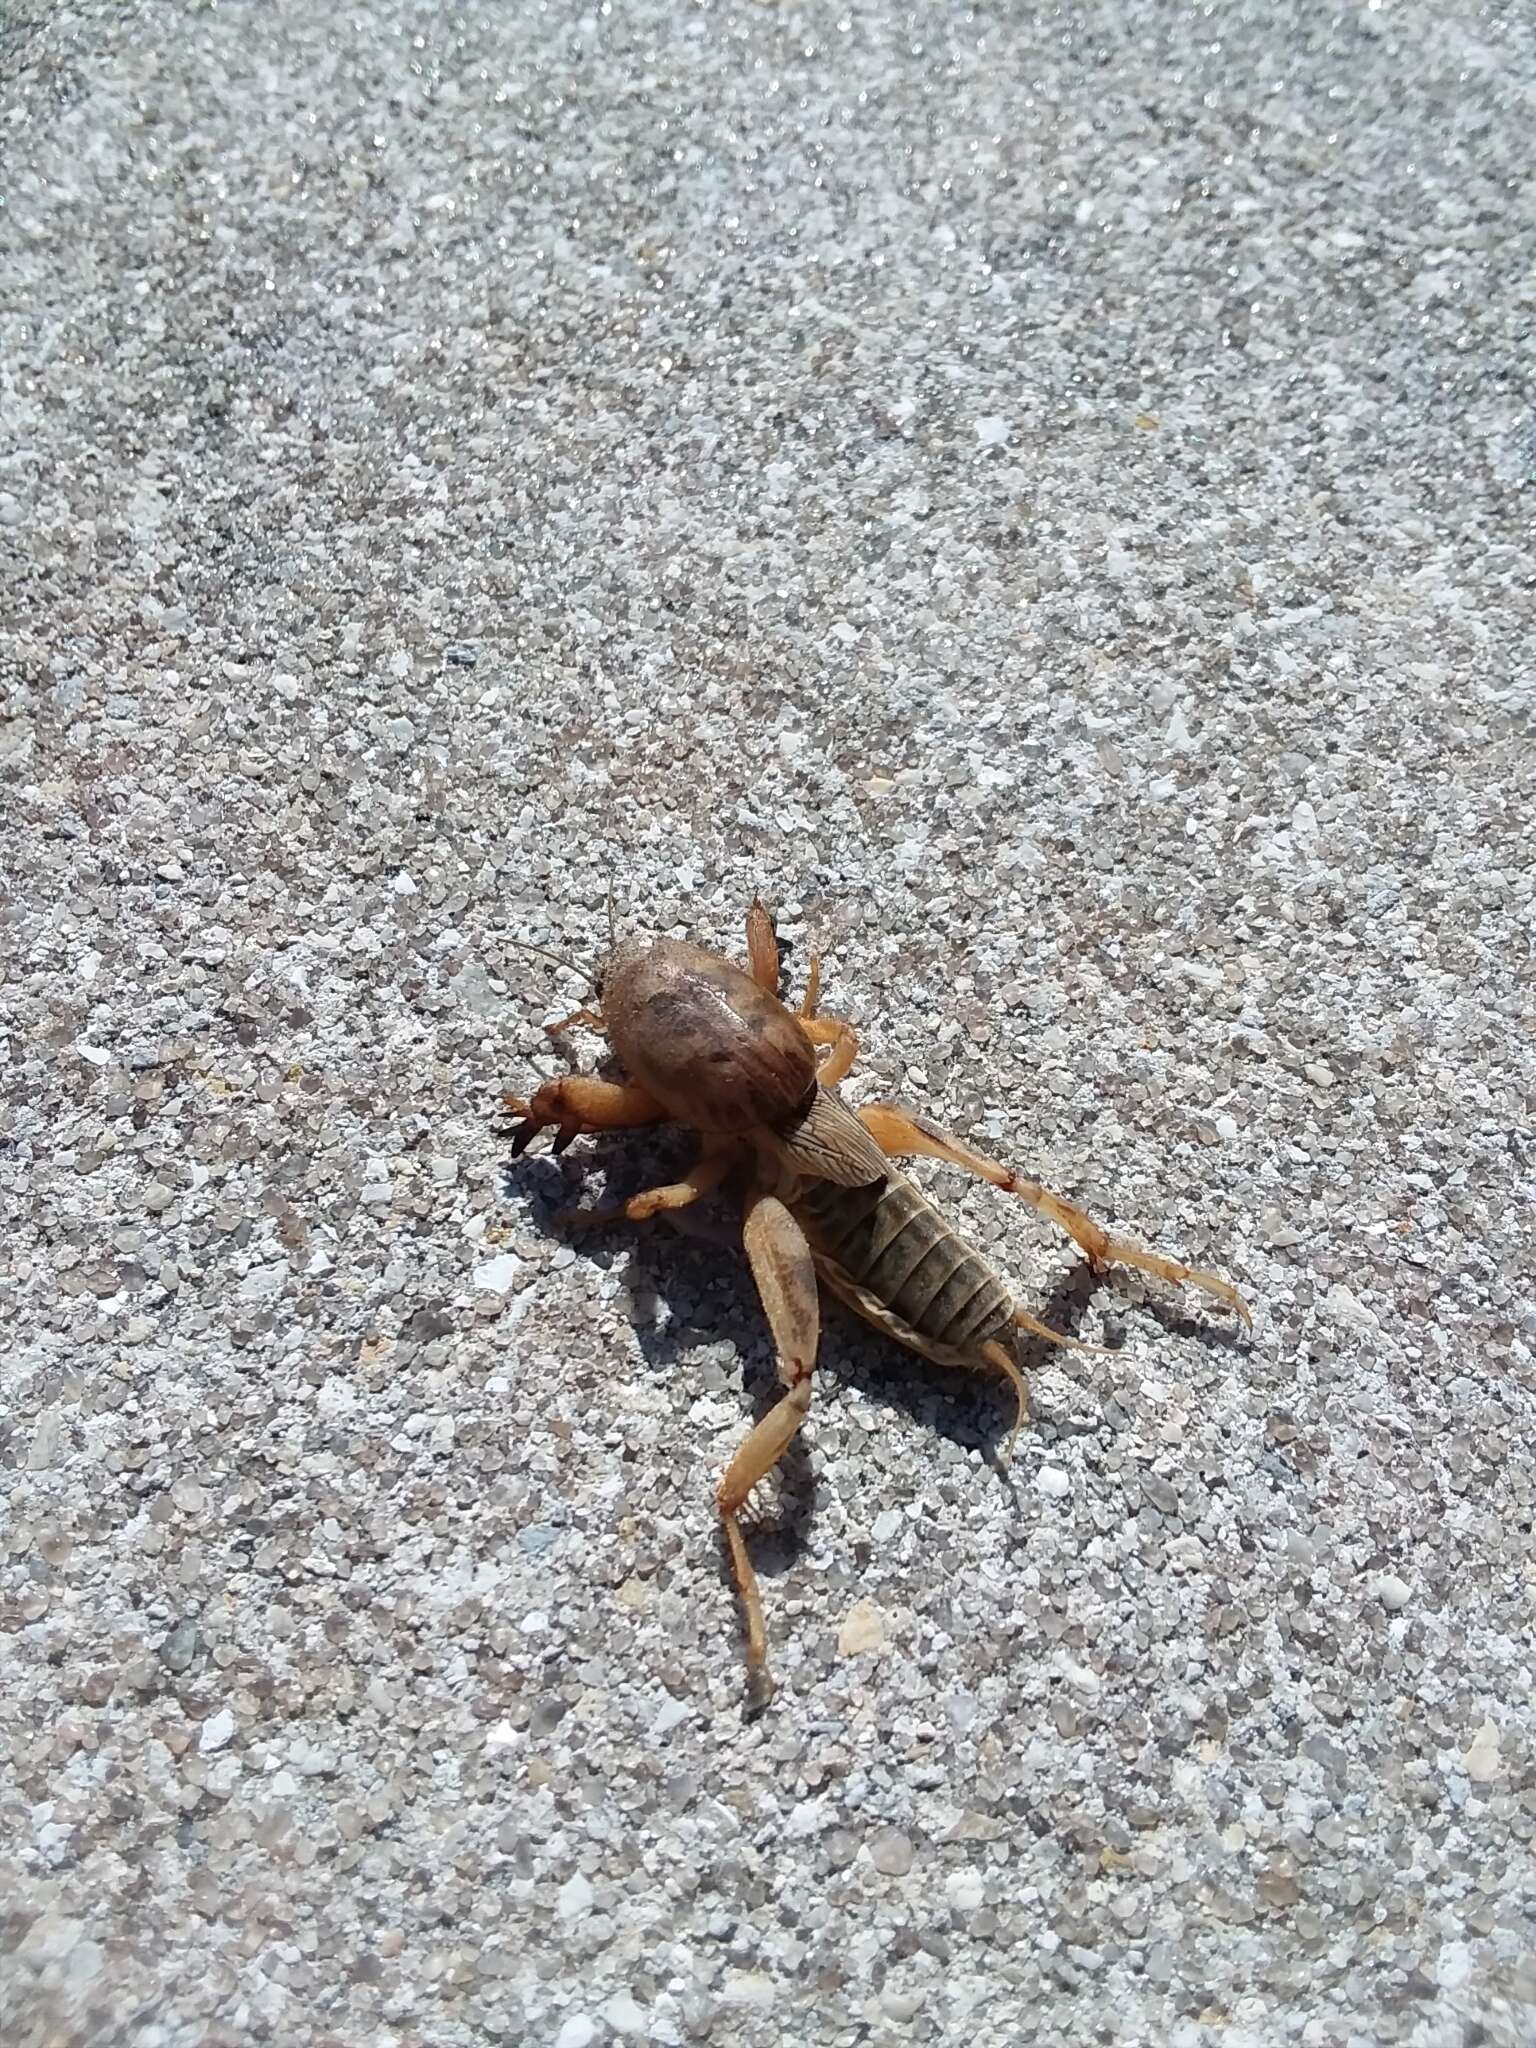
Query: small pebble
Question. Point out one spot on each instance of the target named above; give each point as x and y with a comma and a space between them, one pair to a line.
863, 1629
216, 1731
177, 1653
1483, 1761
890, 1852
499, 1274
624, 2015
672, 1714
1345, 1307
47, 1435
900, 2006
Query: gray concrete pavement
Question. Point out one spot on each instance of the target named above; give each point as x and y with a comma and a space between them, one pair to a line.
1046, 497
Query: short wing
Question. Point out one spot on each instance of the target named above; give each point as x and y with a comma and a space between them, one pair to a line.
827, 1142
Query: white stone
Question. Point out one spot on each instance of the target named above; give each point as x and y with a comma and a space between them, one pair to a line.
1453, 1965
672, 1715
863, 1629
498, 1275
216, 1731
1179, 739
1481, 1759
1345, 1307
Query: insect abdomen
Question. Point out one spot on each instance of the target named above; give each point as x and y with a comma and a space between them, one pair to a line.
890, 1242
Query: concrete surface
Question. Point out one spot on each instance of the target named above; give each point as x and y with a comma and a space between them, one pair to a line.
1044, 495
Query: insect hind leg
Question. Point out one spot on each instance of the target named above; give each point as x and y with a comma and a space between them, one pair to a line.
900, 1134
785, 1274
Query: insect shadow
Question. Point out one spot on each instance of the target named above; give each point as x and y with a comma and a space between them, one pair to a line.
708, 1294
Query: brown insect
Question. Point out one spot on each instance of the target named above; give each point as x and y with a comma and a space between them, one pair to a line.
704, 1044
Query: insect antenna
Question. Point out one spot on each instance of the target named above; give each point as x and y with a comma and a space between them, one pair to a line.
560, 960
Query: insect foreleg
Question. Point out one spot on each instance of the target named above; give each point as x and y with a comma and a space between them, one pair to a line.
577, 1103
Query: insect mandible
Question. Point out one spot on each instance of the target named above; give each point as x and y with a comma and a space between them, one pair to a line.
702, 1043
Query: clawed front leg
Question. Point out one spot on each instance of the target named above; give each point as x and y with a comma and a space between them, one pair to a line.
901, 1134
575, 1103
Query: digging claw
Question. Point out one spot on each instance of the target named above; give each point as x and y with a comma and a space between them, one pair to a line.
522, 1137
563, 1137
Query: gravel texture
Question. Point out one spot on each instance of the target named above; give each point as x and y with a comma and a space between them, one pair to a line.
1046, 496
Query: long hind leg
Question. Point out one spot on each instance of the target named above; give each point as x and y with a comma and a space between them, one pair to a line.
900, 1134
786, 1280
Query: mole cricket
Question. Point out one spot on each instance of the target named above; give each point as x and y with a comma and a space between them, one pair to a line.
704, 1043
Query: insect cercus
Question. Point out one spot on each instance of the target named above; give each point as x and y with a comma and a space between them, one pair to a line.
703, 1043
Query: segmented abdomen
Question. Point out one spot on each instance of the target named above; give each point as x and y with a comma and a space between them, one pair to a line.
890, 1242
